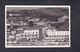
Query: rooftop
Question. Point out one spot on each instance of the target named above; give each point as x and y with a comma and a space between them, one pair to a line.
32, 28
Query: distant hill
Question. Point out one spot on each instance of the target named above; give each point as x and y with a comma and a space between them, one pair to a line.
46, 14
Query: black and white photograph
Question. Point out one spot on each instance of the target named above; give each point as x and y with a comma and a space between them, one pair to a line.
37, 26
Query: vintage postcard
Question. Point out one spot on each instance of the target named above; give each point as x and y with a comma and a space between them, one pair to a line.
37, 26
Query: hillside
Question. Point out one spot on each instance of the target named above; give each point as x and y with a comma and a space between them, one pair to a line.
48, 14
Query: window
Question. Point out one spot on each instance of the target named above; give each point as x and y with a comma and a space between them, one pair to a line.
36, 32
25, 35
33, 32
21, 35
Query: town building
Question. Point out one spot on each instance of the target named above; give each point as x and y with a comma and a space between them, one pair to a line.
35, 19
56, 36
14, 13
30, 34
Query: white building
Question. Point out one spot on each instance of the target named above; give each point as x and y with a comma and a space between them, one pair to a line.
31, 32
36, 19
52, 32
28, 34
14, 14
56, 36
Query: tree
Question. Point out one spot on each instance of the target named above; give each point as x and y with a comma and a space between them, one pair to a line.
31, 24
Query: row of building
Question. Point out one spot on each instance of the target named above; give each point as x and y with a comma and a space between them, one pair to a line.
38, 33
